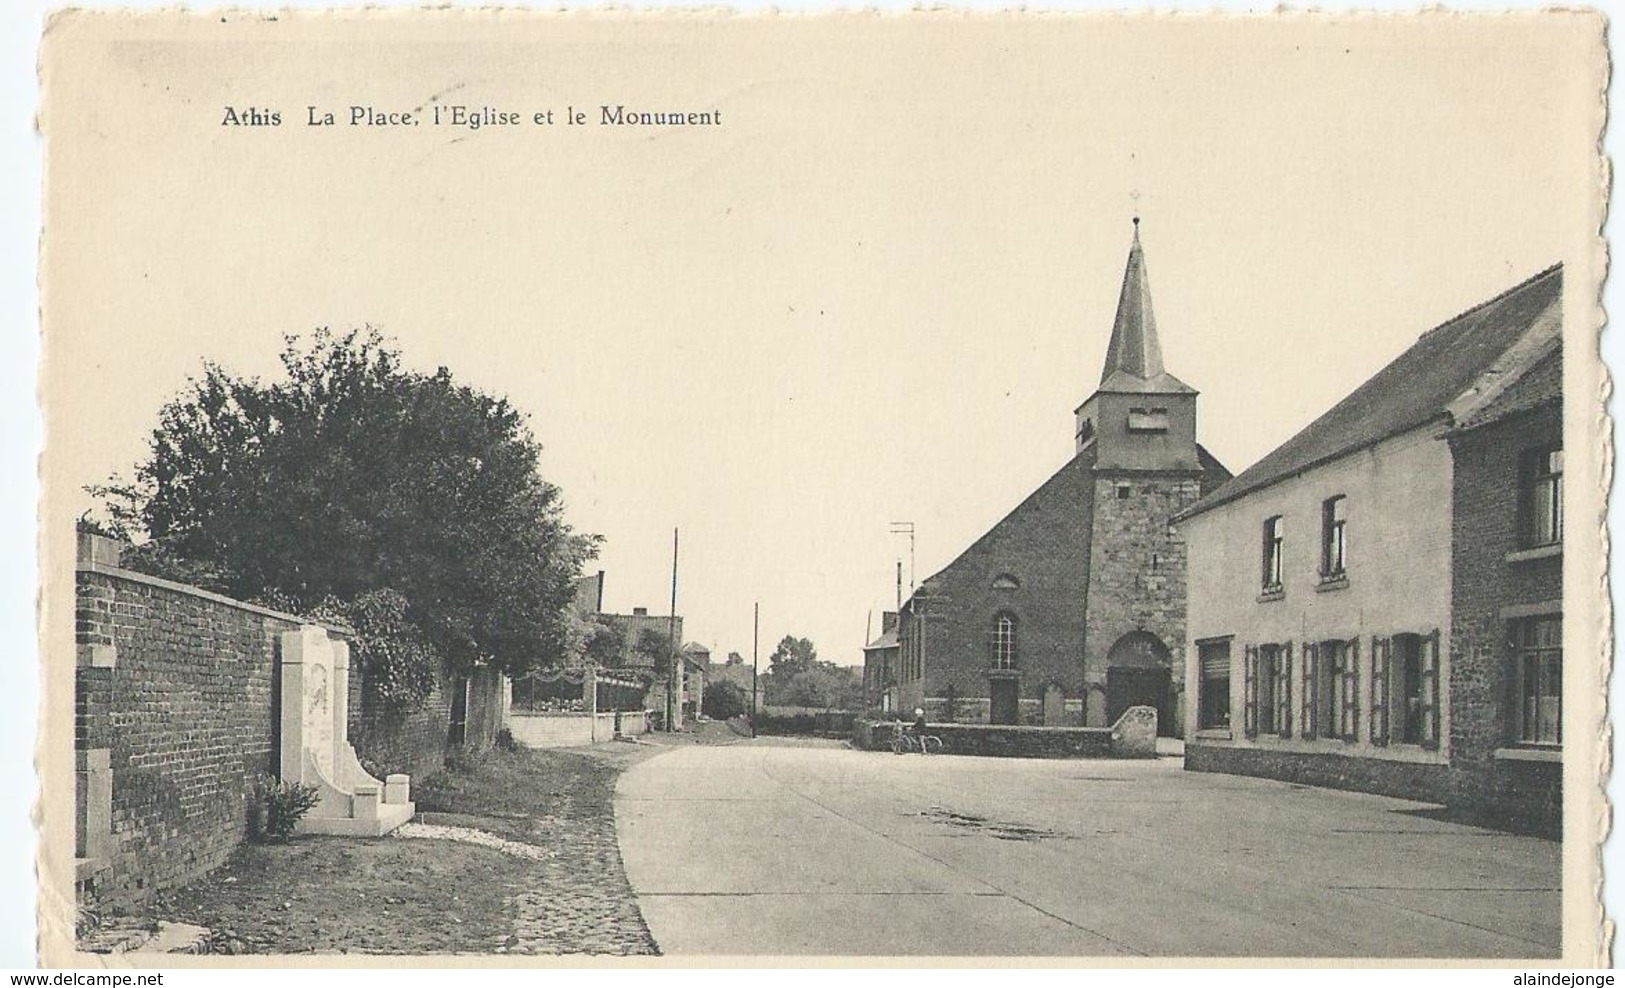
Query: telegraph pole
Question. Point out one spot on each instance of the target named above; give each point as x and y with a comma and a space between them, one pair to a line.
674, 685
906, 528
755, 638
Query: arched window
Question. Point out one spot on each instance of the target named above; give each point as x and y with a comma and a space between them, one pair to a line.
1004, 641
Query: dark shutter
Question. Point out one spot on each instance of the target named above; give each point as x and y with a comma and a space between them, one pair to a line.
1311, 679
1351, 691
1249, 696
1283, 710
1381, 658
1430, 691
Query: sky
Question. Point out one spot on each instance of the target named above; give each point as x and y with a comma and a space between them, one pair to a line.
875, 293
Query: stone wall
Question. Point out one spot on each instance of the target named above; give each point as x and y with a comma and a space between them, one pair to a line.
1423, 781
1493, 578
1133, 736
1136, 575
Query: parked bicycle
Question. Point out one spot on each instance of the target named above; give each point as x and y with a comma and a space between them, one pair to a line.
904, 741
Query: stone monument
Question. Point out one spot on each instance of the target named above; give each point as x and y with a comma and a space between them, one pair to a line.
316, 748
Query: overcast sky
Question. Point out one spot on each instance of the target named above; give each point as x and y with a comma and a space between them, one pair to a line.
874, 293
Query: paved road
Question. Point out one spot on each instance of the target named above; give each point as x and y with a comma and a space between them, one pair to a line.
797, 849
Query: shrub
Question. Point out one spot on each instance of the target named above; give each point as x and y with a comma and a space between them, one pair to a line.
505, 740
278, 806
724, 701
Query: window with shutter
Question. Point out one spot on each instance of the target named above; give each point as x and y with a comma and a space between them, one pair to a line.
1249, 705
1351, 692
1430, 690
1380, 651
1311, 681
1283, 711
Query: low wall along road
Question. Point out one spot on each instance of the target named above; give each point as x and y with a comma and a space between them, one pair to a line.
1133, 736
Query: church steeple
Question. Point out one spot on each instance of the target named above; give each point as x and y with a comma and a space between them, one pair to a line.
1134, 349
1134, 357
1141, 417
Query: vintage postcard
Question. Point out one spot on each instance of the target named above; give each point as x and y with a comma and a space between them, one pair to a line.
847, 488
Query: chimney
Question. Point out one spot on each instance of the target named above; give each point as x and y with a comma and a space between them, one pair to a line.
888, 621
640, 612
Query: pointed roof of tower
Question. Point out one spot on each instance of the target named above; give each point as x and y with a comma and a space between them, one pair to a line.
1134, 358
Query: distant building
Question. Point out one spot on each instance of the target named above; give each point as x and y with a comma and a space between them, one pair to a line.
880, 667
1070, 609
696, 671
1376, 605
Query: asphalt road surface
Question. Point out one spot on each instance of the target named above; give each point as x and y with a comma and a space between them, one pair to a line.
813, 849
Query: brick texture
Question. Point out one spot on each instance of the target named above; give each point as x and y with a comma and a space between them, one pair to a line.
188, 713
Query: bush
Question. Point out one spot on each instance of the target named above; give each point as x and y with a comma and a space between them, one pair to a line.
724, 701
277, 807
505, 740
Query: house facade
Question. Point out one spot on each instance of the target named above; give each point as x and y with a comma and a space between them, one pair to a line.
880, 668
1072, 608
1353, 595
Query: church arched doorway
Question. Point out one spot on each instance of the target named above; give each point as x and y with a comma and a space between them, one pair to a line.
1139, 673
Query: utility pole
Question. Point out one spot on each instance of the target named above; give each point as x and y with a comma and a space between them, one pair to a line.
906, 528
674, 686
755, 640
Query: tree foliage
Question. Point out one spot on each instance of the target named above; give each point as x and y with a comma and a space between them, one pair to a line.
797, 677
724, 701
353, 475
791, 657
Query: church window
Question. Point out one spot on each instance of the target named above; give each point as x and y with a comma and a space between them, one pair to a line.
1006, 581
1004, 642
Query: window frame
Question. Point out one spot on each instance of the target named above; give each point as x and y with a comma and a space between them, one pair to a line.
1004, 655
1334, 538
1549, 658
1207, 693
1536, 527
1273, 559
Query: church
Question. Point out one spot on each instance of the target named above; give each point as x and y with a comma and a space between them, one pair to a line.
1072, 608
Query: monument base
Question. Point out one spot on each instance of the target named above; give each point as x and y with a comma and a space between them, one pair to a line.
390, 816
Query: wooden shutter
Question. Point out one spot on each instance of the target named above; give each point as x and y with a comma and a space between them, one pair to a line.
1430, 690
1381, 659
1283, 709
1351, 691
1311, 680
1249, 695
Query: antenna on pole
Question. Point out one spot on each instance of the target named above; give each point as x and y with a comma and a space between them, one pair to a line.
906, 528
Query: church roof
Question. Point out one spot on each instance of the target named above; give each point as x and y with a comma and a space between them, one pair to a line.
1134, 356
1421, 385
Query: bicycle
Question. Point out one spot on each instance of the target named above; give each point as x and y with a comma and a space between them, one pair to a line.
903, 742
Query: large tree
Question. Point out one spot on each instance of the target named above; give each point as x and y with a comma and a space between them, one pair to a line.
352, 475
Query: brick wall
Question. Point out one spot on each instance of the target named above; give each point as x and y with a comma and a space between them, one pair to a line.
1044, 545
388, 741
1485, 506
187, 713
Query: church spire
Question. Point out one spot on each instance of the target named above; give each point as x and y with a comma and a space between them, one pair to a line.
1134, 349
